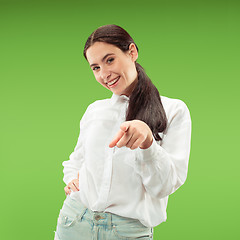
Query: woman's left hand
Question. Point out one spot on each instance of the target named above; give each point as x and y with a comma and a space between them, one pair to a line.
133, 134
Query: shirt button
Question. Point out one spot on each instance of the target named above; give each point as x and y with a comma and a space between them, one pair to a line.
97, 217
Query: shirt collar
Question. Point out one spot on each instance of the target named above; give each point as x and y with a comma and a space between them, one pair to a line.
116, 98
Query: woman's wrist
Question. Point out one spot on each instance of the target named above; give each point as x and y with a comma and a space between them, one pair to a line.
147, 143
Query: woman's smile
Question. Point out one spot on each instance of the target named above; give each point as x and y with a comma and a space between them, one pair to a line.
113, 83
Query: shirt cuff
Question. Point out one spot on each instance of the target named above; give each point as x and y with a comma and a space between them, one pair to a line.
149, 153
68, 179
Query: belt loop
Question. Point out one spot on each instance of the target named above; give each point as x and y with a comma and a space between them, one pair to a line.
109, 220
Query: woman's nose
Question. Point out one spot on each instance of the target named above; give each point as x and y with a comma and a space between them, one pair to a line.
105, 74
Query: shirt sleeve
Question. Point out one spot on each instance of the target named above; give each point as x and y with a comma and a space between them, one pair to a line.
163, 167
73, 165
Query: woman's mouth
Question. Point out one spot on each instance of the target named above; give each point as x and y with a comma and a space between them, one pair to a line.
113, 82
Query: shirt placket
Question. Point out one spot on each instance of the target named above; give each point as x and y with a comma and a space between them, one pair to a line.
101, 203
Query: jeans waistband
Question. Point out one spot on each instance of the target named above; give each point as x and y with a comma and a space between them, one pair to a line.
100, 218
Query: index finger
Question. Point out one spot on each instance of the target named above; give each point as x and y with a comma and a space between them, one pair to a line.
118, 136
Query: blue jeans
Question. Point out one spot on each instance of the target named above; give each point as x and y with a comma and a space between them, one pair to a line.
76, 222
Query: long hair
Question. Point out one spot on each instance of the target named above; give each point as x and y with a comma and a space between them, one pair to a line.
144, 102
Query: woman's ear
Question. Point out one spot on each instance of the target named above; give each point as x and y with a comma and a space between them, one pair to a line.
133, 52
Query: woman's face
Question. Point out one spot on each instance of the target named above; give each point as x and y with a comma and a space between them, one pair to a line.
113, 68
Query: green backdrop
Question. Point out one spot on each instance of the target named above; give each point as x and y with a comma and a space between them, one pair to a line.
190, 50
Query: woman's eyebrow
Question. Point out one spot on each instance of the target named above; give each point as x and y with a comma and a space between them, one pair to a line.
94, 64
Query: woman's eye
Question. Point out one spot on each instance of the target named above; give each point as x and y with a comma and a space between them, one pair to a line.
110, 60
95, 68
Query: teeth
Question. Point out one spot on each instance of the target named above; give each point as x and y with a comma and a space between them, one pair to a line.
112, 82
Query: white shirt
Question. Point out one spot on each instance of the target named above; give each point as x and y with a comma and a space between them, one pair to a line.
130, 183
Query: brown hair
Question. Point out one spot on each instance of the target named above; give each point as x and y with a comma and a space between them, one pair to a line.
144, 102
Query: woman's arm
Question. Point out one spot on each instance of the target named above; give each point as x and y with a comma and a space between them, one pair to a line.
163, 168
73, 165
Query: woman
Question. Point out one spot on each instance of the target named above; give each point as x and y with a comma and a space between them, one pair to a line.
132, 151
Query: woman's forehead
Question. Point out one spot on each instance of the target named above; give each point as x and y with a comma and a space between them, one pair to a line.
100, 49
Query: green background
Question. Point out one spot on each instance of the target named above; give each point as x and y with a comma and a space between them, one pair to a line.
190, 50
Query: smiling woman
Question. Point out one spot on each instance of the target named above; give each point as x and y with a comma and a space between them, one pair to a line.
132, 151
113, 68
